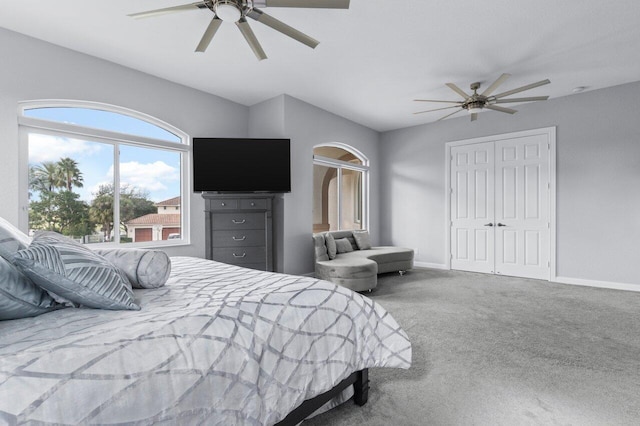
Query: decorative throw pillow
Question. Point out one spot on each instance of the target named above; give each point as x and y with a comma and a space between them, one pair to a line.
11, 240
363, 241
344, 246
71, 272
19, 297
331, 245
143, 268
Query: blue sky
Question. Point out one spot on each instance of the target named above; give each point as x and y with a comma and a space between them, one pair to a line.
154, 171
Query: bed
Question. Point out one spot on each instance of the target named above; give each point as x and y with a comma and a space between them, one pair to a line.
217, 345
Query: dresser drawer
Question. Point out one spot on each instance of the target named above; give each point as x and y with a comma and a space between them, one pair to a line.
223, 204
259, 266
238, 221
253, 204
240, 255
239, 238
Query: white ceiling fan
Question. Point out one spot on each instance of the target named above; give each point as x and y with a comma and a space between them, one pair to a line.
475, 102
238, 10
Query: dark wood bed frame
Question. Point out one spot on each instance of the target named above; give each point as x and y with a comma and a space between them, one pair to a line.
360, 382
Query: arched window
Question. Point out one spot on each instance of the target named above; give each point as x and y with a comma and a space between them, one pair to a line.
340, 188
103, 174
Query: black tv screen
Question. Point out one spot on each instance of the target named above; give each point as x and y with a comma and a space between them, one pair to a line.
241, 165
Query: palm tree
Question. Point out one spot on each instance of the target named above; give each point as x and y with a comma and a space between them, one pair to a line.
101, 210
69, 173
46, 177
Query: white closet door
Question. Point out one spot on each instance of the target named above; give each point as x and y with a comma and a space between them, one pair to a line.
472, 207
522, 207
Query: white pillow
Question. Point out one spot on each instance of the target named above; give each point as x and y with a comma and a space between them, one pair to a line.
11, 240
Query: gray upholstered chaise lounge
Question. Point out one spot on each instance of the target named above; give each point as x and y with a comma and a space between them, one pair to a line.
358, 270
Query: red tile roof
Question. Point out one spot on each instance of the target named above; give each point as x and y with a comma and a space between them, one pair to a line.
156, 219
175, 201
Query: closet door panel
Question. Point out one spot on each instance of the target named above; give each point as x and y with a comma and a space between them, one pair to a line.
472, 204
522, 207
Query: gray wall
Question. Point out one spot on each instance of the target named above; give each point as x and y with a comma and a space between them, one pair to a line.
598, 157
598, 181
308, 126
32, 69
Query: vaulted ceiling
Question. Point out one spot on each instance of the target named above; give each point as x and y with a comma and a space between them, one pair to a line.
373, 59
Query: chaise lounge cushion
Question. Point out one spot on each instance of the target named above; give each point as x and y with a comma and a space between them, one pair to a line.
356, 273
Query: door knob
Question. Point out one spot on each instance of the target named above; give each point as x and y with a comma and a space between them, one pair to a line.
488, 224
501, 224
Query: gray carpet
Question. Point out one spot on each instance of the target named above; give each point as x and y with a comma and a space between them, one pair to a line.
494, 350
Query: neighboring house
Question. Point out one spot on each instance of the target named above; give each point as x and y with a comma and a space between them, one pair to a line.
157, 226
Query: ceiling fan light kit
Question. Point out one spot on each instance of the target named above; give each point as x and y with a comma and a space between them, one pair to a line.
476, 103
227, 10
237, 11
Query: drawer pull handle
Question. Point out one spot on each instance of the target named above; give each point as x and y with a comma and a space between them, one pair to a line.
239, 257
238, 222
253, 204
222, 204
239, 239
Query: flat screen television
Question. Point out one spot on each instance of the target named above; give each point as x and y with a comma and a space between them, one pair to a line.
241, 165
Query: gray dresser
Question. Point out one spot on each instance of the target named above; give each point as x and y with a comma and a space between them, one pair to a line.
239, 229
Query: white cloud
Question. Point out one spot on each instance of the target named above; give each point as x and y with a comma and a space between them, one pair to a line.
149, 176
52, 148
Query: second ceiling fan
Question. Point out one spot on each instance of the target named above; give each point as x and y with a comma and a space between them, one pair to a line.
238, 10
476, 102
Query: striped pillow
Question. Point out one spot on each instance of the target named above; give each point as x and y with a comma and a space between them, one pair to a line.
73, 273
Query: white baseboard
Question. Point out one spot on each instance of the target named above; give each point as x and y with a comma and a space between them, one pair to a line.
430, 265
600, 284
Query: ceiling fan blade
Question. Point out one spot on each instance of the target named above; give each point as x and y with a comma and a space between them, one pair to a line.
208, 34
474, 116
248, 34
458, 90
280, 26
449, 115
431, 100
495, 84
437, 109
530, 99
522, 89
167, 10
318, 4
501, 109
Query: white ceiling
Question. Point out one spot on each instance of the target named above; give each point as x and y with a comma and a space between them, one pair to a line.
373, 59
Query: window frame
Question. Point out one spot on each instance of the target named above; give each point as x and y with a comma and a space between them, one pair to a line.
320, 160
27, 125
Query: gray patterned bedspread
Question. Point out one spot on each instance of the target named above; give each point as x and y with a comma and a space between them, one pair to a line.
218, 345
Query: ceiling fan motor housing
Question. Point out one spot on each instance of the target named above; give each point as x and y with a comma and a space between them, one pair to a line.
474, 105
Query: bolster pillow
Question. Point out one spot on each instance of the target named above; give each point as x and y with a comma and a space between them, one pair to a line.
143, 268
